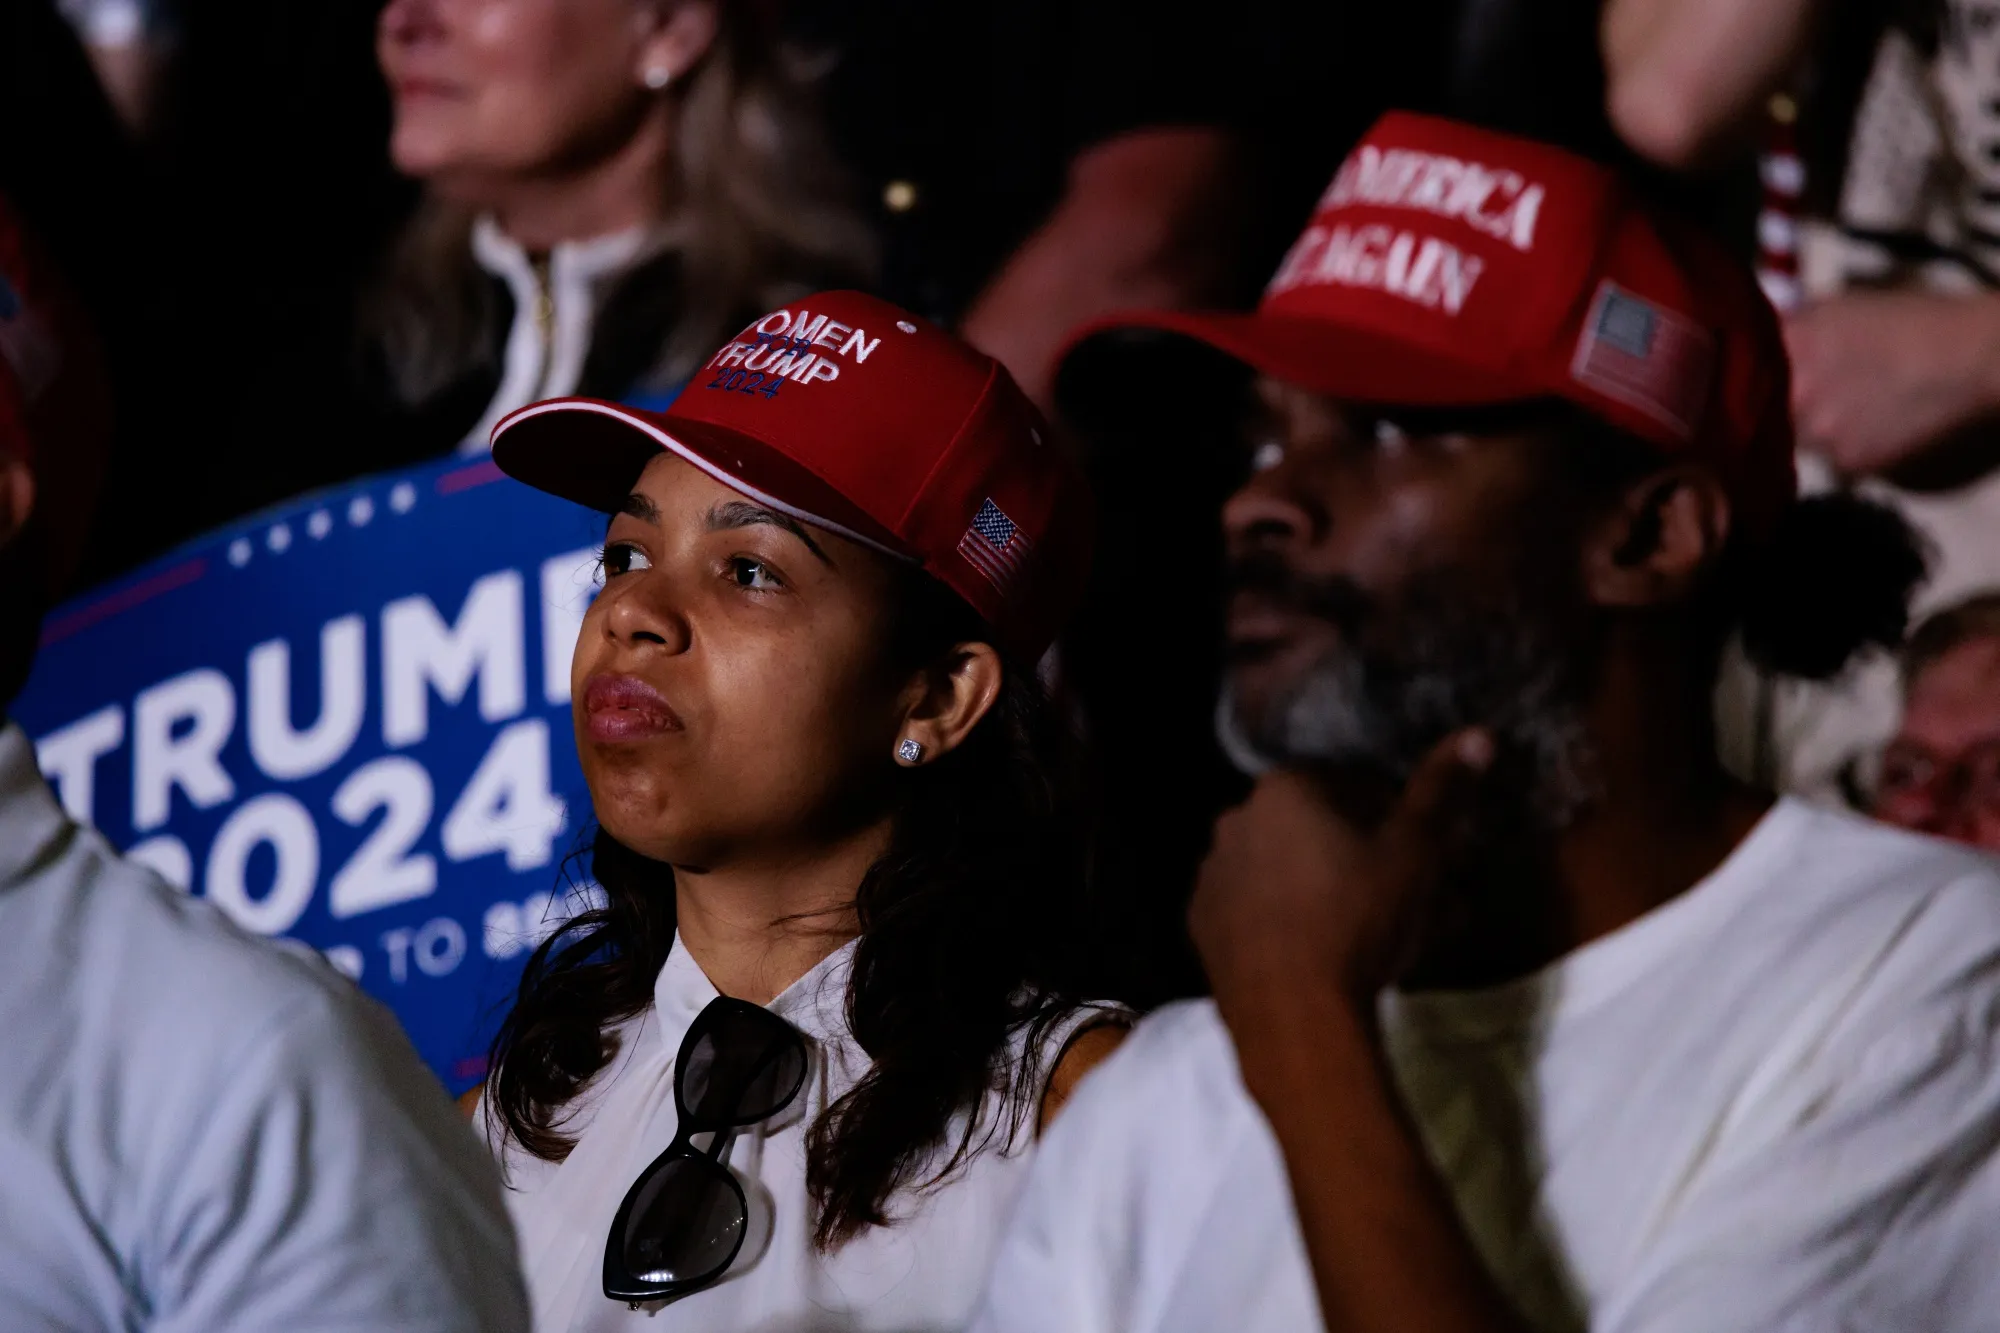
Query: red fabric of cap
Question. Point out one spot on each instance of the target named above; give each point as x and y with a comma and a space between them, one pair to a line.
1453, 266
856, 416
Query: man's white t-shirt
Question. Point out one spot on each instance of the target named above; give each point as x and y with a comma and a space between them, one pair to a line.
202, 1132
1771, 1104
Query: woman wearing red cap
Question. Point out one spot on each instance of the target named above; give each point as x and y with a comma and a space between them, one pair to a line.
789, 1073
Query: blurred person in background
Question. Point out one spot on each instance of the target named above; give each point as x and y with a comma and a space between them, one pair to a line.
791, 1074
1526, 1014
591, 195
1687, 81
1941, 774
612, 187
198, 1130
75, 176
1896, 354
131, 49
1894, 351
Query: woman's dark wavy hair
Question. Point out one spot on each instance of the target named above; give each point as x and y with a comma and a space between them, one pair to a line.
961, 950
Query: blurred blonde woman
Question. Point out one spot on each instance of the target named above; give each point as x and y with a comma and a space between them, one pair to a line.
611, 188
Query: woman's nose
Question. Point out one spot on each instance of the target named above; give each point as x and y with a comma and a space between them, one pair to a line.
406, 21
644, 614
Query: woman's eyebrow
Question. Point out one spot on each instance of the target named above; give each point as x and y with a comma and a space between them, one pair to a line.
641, 508
741, 514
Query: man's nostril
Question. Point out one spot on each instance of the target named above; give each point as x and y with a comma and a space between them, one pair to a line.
1268, 529
1264, 532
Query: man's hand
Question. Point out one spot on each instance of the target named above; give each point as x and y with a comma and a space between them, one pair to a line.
1292, 893
1880, 377
1301, 919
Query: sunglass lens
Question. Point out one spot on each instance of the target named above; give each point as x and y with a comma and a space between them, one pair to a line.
685, 1224
746, 1065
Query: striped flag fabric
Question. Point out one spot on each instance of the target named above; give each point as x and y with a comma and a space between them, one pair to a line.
994, 546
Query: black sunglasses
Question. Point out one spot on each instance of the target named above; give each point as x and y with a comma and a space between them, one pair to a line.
684, 1218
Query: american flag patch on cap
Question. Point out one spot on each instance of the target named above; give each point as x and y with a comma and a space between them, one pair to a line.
1645, 357
994, 546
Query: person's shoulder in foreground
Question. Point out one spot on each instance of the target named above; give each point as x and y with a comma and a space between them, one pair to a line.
1855, 1170
204, 1131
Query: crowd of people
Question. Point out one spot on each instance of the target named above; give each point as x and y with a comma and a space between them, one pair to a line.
1242, 679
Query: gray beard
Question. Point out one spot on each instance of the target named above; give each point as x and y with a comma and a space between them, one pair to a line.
1503, 672
1326, 719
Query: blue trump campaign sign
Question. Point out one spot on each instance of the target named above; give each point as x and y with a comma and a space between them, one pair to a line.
347, 722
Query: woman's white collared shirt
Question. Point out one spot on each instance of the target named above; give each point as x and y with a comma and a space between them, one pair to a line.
924, 1274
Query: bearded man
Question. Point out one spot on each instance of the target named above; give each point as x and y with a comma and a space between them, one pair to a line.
1526, 1015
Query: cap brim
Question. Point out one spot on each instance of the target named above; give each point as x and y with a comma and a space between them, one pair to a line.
592, 451
1358, 365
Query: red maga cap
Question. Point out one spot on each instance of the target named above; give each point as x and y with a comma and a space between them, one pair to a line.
1453, 266
848, 413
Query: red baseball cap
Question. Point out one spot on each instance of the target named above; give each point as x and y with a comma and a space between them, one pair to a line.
1450, 266
850, 414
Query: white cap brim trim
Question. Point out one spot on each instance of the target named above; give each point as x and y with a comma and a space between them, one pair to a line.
680, 450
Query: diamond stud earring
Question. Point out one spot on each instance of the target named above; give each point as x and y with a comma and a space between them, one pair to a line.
909, 751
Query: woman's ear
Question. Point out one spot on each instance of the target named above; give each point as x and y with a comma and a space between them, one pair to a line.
1656, 544
947, 701
676, 37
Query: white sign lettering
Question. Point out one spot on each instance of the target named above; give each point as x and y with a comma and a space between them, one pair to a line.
419, 651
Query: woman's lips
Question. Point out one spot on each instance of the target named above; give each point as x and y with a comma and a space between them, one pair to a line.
411, 88
625, 708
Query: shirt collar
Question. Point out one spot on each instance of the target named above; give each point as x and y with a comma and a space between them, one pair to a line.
588, 263
30, 819
815, 1004
1600, 971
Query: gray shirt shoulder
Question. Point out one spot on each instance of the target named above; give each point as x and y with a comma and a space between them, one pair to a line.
200, 1129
